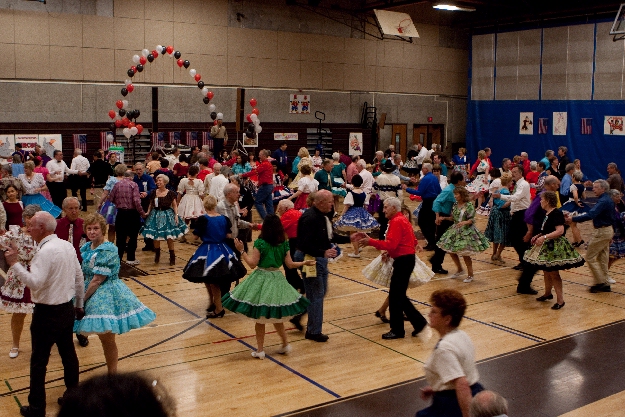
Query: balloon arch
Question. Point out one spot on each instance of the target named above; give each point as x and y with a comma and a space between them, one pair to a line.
123, 117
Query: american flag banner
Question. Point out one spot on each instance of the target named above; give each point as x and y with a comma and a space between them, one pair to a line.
191, 139
158, 140
543, 126
174, 138
586, 126
104, 144
80, 142
207, 140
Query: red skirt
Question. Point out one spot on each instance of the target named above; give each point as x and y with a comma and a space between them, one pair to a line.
300, 203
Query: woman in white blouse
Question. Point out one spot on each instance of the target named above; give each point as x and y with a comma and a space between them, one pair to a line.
33, 184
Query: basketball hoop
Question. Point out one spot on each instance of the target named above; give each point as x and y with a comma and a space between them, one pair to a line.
618, 27
404, 26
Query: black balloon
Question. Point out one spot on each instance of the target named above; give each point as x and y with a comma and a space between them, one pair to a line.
131, 73
186, 63
164, 50
124, 91
137, 113
213, 114
206, 100
251, 127
150, 57
140, 68
200, 84
249, 134
177, 54
122, 112
130, 114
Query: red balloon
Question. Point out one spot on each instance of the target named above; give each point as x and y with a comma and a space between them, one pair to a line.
210, 95
139, 129
112, 114
197, 77
253, 102
134, 69
255, 111
249, 118
143, 60
131, 125
118, 123
215, 123
119, 104
155, 54
169, 49
125, 121
130, 88
180, 63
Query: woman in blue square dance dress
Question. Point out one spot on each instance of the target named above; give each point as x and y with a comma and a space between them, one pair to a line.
163, 221
111, 308
498, 226
33, 184
266, 296
355, 218
463, 238
212, 262
552, 252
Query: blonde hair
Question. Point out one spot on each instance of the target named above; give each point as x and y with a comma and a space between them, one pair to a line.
94, 218
506, 179
210, 202
303, 152
30, 165
481, 155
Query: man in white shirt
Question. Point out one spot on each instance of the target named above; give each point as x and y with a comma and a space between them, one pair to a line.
80, 180
173, 157
423, 153
367, 179
53, 286
520, 200
58, 169
218, 183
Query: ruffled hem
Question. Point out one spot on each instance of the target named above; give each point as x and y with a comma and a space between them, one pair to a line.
120, 324
12, 307
556, 265
265, 313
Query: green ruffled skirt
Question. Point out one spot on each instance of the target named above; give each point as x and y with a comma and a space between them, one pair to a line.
266, 297
562, 256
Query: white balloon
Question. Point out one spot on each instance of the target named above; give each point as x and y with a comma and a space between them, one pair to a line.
159, 48
253, 116
220, 116
135, 59
110, 138
145, 53
127, 132
258, 129
128, 81
125, 104
192, 72
134, 131
211, 108
204, 91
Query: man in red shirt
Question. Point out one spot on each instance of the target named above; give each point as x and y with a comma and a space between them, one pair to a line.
264, 194
400, 245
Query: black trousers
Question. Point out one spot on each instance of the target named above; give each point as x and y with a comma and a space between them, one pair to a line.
291, 274
439, 254
518, 229
383, 221
80, 182
127, 225
218, 145
51, 324
58, 192
398, 300
427, 220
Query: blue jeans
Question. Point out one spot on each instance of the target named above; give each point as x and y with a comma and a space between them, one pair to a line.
264, 200
316, 288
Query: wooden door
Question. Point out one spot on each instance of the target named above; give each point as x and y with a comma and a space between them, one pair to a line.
428, 134
419, 134
399, 139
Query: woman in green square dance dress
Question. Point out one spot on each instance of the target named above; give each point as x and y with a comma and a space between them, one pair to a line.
463, 238
265, 296
110, 306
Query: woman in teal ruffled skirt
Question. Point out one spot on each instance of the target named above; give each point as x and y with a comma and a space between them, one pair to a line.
265, 296
110, 306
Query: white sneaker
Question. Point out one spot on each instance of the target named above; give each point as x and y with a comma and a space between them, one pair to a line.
425, 334
135, 262
468, 279
259, 355
457, 275
353, 255
611, 281
285, 350
13, 353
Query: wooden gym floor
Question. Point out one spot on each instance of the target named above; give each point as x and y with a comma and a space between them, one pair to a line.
546, 362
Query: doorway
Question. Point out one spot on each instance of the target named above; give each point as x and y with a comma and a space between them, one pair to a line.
428, 134
399, 139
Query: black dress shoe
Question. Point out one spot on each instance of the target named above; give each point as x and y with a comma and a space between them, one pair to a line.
213, 315
519, 267
390, 335
545, 297
28, 411
211, 308
320, 337
147, 248
600, 288
382, 317
529, 291
296, 321
440, 271
557, 306
82, 340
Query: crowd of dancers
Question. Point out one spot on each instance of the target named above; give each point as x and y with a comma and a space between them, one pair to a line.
529, 207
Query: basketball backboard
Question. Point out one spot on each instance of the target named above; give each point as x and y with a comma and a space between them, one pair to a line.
618, 27
396, 24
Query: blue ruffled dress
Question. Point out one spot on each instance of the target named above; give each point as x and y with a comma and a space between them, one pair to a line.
356, 218
113, 307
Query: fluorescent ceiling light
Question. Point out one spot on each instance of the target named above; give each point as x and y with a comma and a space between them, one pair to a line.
452, 7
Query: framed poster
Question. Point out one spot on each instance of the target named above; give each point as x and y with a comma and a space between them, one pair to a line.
285, 136
250, 142
299, 103
559, 123
50, 143
613, 125
28, 142
355, 143
6, 145
526, 125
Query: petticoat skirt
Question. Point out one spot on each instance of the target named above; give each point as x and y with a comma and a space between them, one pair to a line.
380, 272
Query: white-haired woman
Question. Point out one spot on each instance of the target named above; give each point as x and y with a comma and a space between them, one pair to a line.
163, 222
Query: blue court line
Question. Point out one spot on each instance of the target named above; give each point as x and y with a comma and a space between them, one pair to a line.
283, 365
533, 339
